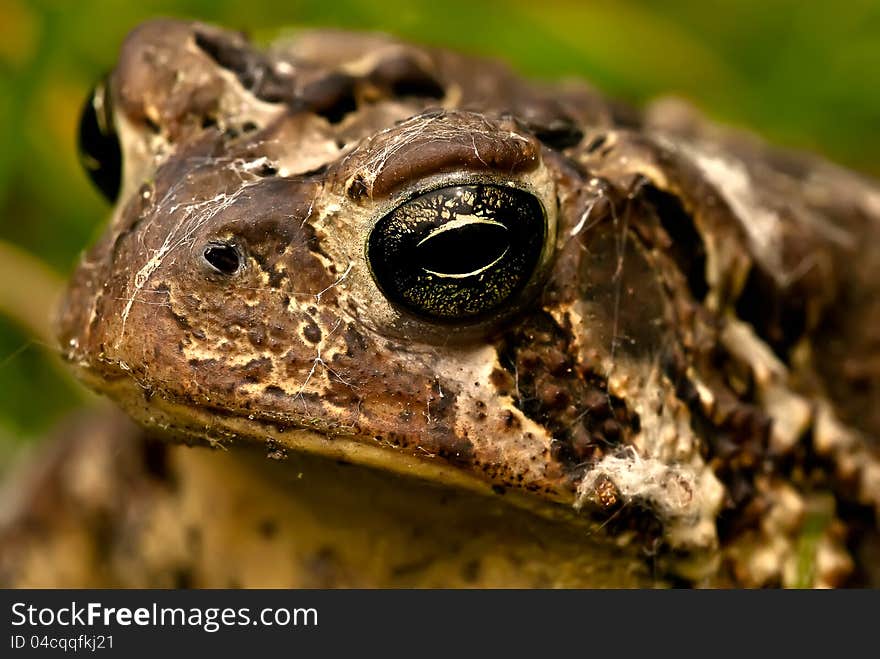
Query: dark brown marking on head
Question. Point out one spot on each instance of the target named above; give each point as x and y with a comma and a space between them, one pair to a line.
181, 320
257, 336
311, 331
332, 97
560, 132
255, 371
356, 343
686, 245
313, 243
479, 411
470, 570
156, 462
510, 420
596, 143
403, 76
457, 450
357, 189
735, 438
274, 390
231, 51
502, 381
779, 316
268, 528
555, 391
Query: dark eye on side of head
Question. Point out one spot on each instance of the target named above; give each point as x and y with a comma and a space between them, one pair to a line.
223, 258
99, 152
458, 253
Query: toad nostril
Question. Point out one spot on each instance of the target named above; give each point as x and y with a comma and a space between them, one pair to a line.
222, 257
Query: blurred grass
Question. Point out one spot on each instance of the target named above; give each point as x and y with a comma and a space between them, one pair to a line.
803, 74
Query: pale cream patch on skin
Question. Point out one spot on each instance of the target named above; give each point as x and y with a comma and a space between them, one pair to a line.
791, 413
303, 143
687, 494
662, 466
624, 164
144, 151
362, 66
317, 378
850, 451
733, 183
775, 552
871, 203
473, 368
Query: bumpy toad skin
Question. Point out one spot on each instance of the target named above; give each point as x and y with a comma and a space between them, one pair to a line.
693, 366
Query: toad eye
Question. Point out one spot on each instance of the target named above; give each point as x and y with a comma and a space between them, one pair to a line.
222, 257
99, 151
458, 252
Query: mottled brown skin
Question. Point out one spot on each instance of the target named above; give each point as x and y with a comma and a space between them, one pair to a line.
111, 507
693, 367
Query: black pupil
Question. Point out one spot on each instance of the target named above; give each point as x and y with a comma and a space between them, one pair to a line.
223, 258
466, 249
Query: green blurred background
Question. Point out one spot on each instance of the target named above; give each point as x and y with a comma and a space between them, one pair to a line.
805, 74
